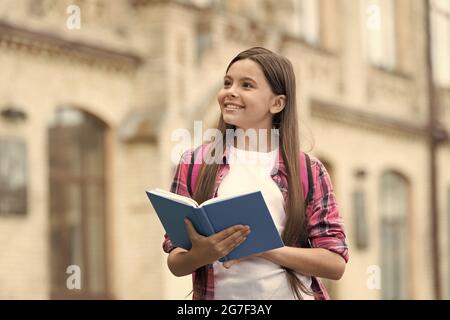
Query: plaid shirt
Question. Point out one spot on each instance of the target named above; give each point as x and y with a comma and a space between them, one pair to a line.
325, 227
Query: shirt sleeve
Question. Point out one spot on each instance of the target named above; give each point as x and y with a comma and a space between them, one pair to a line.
325, 225
178, 186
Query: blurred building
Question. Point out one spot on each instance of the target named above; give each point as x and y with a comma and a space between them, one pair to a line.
92, 91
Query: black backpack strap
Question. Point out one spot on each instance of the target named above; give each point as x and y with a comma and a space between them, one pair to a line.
191, 167
310, 180
309, 196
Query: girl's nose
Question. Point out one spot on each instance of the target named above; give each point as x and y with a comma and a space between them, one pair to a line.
232, 93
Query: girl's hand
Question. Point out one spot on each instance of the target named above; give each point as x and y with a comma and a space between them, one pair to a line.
209, 249
229, 263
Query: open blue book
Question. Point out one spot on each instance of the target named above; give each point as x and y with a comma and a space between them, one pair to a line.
215, 215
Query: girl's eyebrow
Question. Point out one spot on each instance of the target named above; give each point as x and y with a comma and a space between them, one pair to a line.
243, 78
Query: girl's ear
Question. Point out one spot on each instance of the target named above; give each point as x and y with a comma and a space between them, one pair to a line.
278, 104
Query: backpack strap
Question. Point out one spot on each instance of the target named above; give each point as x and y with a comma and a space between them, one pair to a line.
309, 189
309, 193
194, 168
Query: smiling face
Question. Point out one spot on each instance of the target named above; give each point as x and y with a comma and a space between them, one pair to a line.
246, 99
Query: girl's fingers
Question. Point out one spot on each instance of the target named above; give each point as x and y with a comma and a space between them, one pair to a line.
229, 263
224, 234
235, 239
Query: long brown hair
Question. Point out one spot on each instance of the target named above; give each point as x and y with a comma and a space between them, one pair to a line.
280, 74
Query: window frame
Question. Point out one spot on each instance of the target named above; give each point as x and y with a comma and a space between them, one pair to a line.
21, 195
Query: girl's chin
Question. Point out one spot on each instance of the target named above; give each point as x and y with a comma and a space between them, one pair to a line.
230, 119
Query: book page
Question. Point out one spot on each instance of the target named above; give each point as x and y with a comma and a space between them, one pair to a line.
218, 199
175, 197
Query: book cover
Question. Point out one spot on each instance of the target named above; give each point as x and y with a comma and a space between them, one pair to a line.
215, 215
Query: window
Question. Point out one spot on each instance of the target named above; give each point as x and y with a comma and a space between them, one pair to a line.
13, 177
77, 202
359, 212
394, 248
305, 22
379, 19
440, 39
361, 229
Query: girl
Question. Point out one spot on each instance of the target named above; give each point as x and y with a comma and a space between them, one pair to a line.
259, 93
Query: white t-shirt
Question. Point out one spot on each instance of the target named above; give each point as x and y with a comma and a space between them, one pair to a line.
254, 278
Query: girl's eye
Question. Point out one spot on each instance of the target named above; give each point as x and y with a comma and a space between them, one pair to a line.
247, 85
226, 83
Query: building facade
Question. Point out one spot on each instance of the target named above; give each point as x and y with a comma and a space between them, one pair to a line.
92, 92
